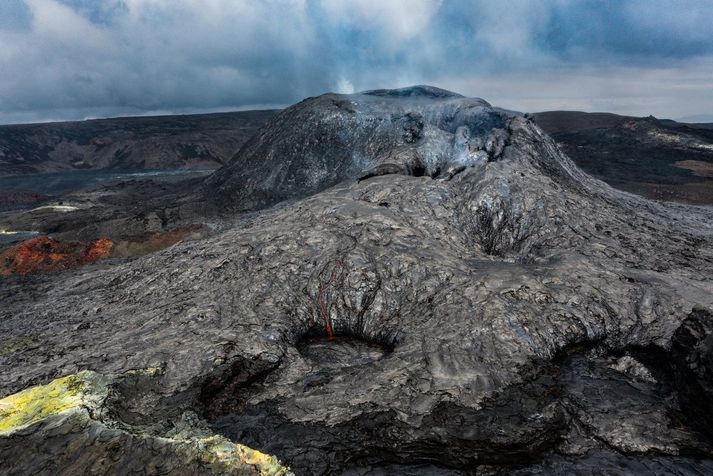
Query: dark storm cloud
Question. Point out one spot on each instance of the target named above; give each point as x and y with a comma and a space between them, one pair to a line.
79, 58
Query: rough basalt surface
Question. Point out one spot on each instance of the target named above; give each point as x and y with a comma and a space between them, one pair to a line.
421, 131
67, 427
492, 308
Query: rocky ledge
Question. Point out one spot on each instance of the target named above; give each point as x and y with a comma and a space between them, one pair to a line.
436, 288
67, 427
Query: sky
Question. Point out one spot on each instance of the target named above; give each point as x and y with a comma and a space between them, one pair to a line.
78, 59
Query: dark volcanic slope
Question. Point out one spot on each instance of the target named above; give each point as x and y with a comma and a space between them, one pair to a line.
554, 122
492, 307
421, 131
162, 142
659, 159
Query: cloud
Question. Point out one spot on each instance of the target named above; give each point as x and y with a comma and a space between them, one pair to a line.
393, 21
665, 91
77, 58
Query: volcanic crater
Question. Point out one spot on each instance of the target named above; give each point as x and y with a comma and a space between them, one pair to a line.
413, 282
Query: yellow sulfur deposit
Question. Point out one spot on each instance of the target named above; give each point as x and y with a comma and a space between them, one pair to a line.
37, 403
267, 465
89, 390
219, 451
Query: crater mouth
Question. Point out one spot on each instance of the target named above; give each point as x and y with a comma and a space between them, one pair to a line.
341, 351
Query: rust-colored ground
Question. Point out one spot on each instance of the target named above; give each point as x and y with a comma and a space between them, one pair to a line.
43, 254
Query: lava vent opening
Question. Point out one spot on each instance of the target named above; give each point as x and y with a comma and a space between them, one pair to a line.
341, 351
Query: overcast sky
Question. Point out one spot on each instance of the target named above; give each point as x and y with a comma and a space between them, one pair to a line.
75, 59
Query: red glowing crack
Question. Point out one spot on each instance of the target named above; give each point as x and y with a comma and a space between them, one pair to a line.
323, 285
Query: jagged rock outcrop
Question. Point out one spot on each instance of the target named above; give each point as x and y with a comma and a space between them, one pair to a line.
513, 314
67, 427
692, 351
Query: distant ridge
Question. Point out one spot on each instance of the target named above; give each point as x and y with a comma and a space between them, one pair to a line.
566, 121
127, 143
657, 158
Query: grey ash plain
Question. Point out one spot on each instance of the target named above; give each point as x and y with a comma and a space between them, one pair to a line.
496, 310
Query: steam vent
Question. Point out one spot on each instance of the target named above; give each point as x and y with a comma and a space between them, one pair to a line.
416, 282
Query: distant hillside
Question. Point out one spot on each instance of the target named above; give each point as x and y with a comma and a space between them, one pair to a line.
566, 121
657, 158
160, 142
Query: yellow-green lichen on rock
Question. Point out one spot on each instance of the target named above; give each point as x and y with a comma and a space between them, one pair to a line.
84, 394
218, 451
33, 405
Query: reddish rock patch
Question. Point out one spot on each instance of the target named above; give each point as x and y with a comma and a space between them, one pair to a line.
44, 254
